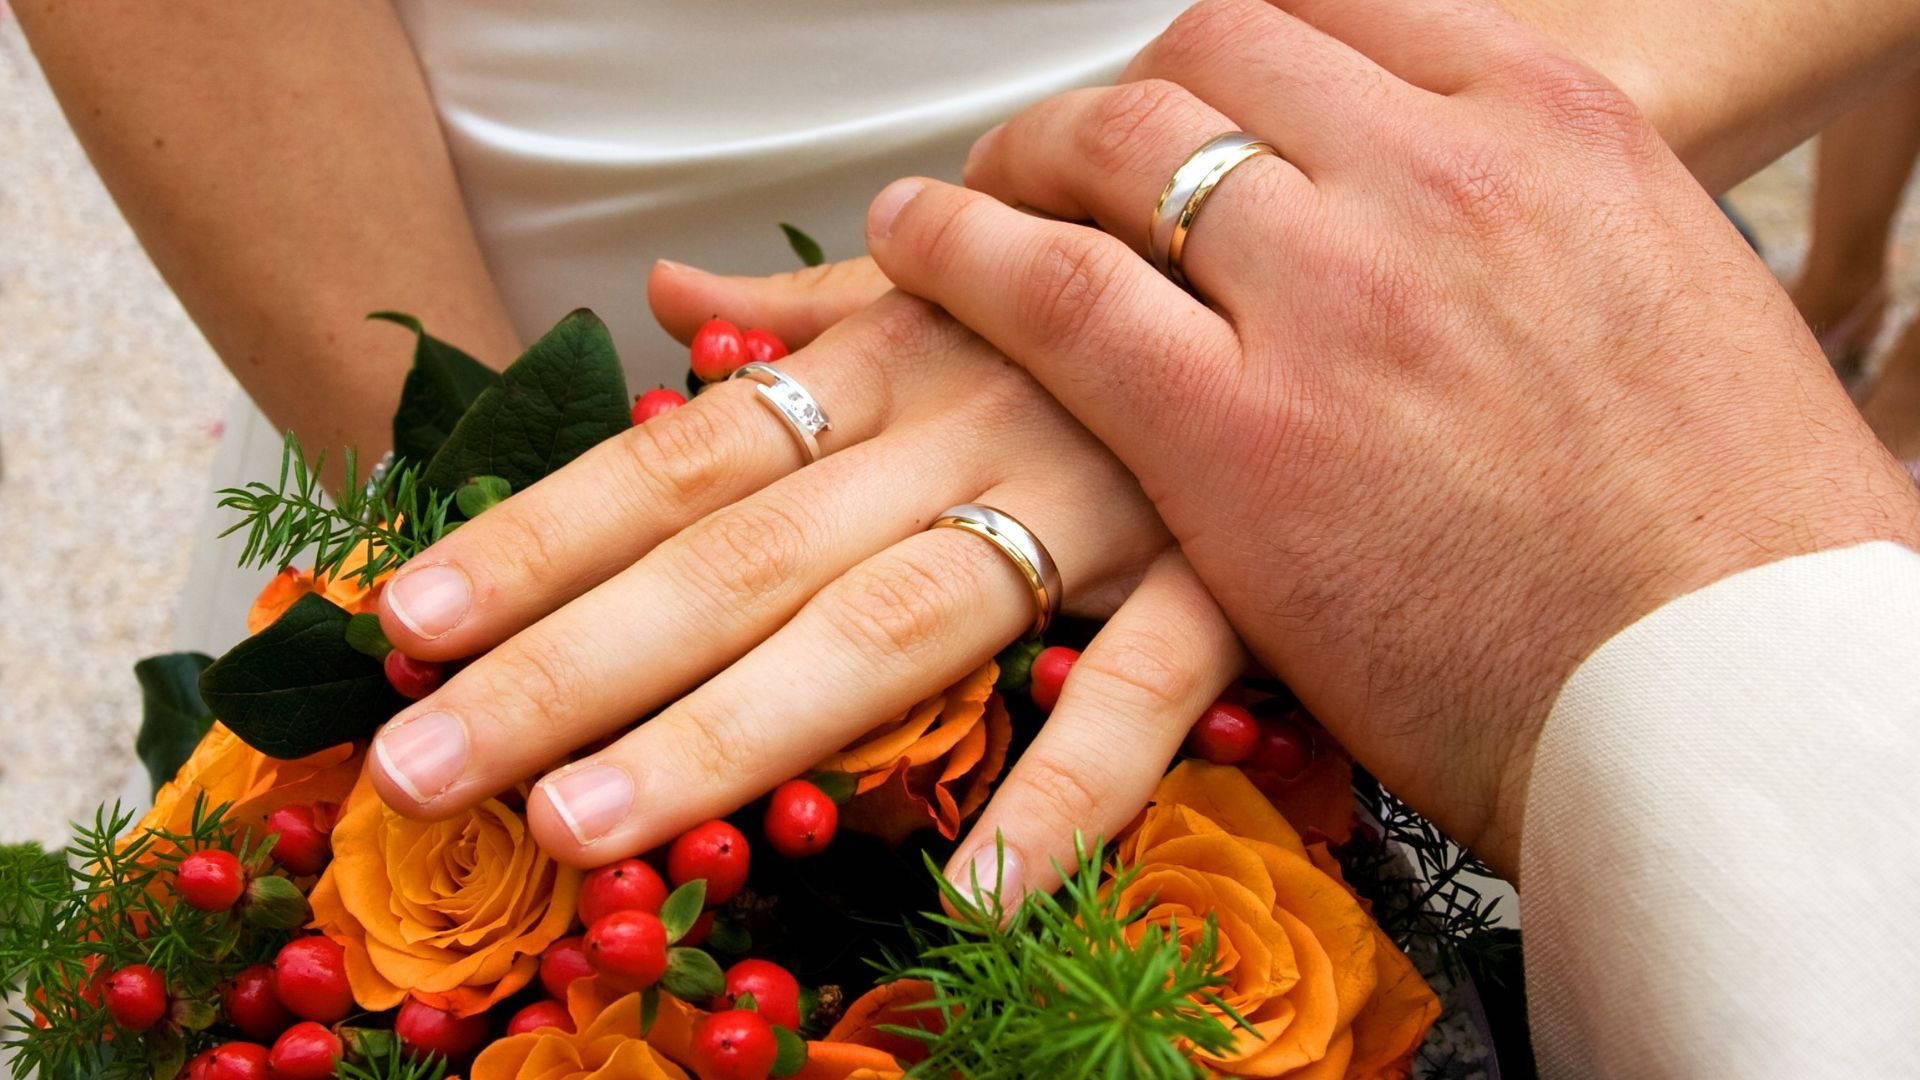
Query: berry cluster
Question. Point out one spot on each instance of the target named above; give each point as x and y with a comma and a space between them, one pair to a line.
719, 348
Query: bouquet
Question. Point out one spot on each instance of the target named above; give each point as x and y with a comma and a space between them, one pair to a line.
270, 917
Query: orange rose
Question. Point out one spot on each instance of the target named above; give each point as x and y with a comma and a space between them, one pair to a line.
227, 770
935, 765
1329, 995
454, 912
607, 1045
343, 588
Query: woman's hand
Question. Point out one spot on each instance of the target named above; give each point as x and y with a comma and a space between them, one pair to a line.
1482, 375
779, 612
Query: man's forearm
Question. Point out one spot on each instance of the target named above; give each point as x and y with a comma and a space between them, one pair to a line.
283, 166
1733, 84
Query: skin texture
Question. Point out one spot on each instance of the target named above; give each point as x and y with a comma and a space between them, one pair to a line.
1483, 377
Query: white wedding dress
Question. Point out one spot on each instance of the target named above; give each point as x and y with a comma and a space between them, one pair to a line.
592, 137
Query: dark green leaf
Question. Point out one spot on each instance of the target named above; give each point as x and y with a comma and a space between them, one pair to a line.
803, 245
443, 383
747, 1002
562, 396
729, 937
173, 718
365, 635
692, 975
297, 687
649, 1009
482, 494
682, 909
1016, 666
793, 1052
837, 786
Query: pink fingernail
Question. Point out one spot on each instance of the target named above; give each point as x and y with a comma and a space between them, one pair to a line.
888, 204
591, 799
430, 600
992, 870
424, 754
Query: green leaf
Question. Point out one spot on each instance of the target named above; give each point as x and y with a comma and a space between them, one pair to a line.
803, 245
729, 937
682, 909
693, 976
838, 786
561, 397
1016, 667
649, 1009
443, 383
173, 718
792, 1056
297, 687
366, 637
484, 493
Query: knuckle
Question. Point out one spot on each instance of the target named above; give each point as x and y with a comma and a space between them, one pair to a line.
535, 684
1070, 281
1140, 671
516, 543
1066, 799
1577, 101
892, 607
1197, 32
712, 744
1477, 180
683, 457
745, 552
1124, 120
938, 224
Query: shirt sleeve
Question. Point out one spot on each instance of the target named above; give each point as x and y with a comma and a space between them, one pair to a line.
1720, 865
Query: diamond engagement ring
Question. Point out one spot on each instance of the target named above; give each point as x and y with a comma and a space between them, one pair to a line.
791, 402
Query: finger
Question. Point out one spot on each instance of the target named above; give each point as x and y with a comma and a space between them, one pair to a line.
601, 512
1317, 98
1105, 155
893, 631
691, 606
1122, 347
797, 307
1444, 46
1156, 665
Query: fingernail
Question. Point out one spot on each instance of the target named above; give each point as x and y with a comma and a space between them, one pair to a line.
424, 754
993, 872
887, 205
591, 800
982, 146
431, 600
677, 267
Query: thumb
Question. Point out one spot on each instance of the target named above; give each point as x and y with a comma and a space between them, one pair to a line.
795, 306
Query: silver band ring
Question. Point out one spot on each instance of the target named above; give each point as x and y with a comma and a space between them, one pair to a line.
1188, 189
1020, 546
791, 403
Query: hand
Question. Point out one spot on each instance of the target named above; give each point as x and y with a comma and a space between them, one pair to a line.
779, 612
1482, 377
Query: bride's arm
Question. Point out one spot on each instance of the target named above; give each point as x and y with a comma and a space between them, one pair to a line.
283, 167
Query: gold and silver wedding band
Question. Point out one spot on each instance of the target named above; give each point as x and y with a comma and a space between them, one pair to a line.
1187, 191
791, 403
1020, 546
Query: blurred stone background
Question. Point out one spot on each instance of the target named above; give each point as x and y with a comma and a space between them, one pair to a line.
110, 407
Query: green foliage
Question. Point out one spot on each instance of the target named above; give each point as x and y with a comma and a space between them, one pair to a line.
390, 519
791, 1054
803, 245
387, 1060
173, 718
69, 917
1058, 989
682, 908
441, 385
483, 494
693, 975
298, 686
565, 394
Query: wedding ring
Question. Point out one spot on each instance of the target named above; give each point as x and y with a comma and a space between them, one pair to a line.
1192, 182
1025, 550
791, 402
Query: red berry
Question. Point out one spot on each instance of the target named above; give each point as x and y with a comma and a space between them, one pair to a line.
763, 347
718, 348
628, 885
1049, 674
136, 996
238, 1061
1225, 734
200, 1067
776, 993
629, 948
303, 847
310, 978
541, 1014
414, 679
1284, 751
800, 819
734, 1045
715, 851
564, 961
210, 880
437, 1031
305, 1051
655, 402
252, 1006
698, 932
